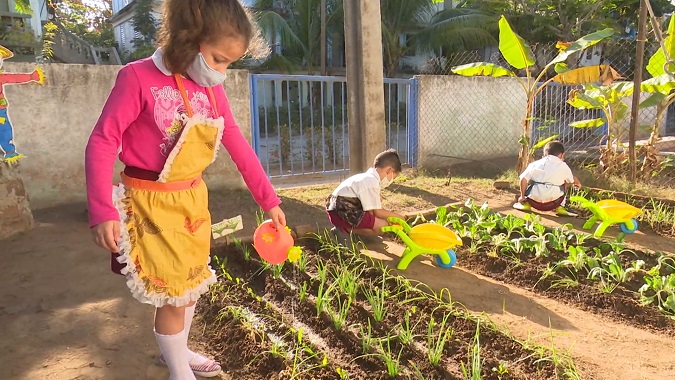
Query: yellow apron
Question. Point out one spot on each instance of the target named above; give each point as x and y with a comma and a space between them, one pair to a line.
166, 224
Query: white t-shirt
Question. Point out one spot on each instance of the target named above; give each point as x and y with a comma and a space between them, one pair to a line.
365, 186
549, 173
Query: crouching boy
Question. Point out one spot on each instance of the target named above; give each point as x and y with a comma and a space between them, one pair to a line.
544, 183
356, 205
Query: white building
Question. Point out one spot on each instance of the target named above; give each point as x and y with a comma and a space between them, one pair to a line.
122, 22
9, 15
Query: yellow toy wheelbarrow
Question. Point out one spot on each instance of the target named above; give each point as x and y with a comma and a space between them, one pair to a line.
609, 212
429, 238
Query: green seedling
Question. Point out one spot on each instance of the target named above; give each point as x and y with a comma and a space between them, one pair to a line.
436, 340
377, 298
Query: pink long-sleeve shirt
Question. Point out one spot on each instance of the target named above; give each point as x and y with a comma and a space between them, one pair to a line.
140, 117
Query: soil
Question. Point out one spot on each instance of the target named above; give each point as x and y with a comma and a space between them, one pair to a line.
343, 348
622, 304
602, 347
64, 315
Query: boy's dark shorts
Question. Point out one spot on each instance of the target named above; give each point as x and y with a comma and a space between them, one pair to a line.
347, 213
367, 221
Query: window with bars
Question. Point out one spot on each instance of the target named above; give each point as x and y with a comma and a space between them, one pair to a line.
123, 38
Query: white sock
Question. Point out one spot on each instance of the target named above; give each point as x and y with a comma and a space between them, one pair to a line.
189, 314
175, 354
194, 358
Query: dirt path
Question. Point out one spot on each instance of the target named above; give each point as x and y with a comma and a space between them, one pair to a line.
602, 349
63, 315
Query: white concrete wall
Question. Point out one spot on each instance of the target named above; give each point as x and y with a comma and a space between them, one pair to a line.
52, 124
469, 117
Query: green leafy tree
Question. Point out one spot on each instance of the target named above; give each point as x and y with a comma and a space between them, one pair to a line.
408, 27
543, 21
455, 30
661, 66
428, 30
144, 23
88, 20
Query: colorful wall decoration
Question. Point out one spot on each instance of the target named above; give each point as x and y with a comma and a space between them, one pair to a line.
7, 143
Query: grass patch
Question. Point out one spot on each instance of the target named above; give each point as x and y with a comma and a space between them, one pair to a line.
623, 185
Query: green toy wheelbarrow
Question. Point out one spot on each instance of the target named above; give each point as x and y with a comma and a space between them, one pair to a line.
427, 238
609, 212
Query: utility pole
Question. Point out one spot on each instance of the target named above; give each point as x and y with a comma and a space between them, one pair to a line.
323, 37
637, 81
365, 82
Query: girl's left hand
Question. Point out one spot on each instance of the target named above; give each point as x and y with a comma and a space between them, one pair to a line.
278, 217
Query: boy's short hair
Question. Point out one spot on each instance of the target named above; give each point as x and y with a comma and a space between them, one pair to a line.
554, 148
388, 158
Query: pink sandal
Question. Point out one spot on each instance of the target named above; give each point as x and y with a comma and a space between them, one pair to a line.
210, 368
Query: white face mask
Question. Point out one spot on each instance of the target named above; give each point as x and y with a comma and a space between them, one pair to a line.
202, 74
385, 182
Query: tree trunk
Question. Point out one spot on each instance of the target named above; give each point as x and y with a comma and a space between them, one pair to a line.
15, 213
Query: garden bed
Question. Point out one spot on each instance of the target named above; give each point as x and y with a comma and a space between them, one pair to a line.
607, 278
337, 315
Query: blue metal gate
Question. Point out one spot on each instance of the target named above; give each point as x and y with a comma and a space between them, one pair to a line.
300, 123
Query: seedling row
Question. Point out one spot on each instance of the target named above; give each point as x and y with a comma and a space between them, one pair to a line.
606, 277
336, 314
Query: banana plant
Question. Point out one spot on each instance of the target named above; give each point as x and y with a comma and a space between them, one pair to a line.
609, 99
662, 69
519, 55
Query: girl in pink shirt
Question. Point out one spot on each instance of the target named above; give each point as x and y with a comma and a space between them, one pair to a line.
169, 114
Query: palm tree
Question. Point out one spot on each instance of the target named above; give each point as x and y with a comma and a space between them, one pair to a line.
402, 18
428, 30
296, 27
409, 27
457, 30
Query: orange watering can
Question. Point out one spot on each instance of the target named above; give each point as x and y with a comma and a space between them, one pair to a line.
275, 245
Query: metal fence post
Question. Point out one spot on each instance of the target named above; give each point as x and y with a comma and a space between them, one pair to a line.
255, 114
413, 113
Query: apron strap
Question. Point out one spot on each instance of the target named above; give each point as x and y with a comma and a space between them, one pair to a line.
183, 94
214, 105
188, 106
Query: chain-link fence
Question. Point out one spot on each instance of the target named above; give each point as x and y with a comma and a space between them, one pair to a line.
469, 126
481, 118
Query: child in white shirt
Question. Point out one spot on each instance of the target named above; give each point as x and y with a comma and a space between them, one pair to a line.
544, 182
355, 205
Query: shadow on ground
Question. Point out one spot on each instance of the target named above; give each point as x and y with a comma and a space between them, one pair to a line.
432, 198
478, 294
63, 314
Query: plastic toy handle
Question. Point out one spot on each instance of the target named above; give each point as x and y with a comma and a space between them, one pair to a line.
399, 223
578, 198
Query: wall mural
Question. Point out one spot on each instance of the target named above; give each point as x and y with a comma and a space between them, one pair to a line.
7, 144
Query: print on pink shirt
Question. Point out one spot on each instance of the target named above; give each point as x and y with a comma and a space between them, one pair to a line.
170, 113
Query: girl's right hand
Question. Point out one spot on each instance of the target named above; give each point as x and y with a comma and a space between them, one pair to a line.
107, 234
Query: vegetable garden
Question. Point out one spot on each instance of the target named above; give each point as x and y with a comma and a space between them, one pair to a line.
338, 314
335, 314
